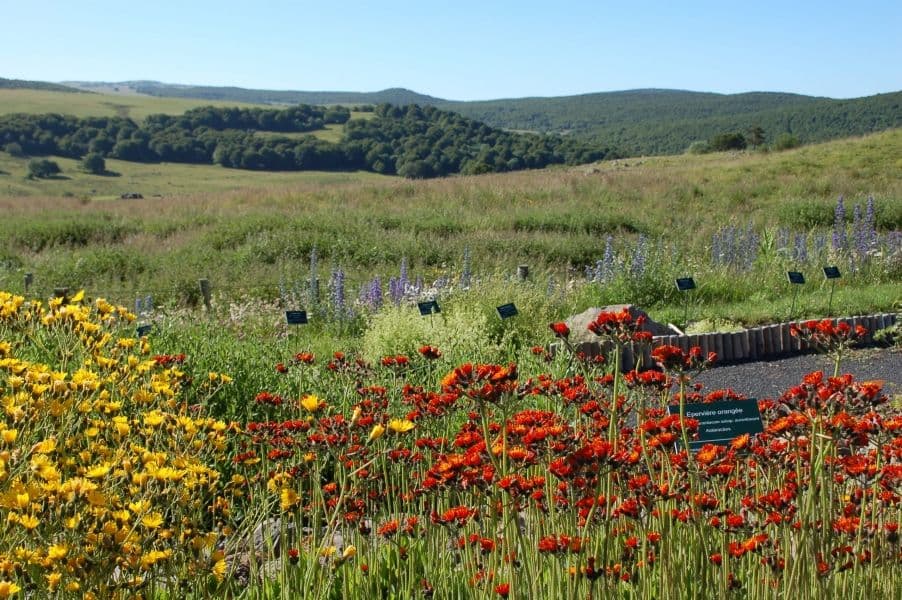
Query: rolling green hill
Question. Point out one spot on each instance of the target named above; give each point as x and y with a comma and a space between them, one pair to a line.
398, 96
631, 123
22, 84
667, 121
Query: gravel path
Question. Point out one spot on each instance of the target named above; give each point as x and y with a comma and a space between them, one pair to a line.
769, 379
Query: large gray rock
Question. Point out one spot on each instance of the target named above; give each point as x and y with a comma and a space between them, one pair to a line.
579, 324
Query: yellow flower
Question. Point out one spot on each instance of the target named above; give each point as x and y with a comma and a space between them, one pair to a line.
400, 425
288, 498
219, 569
57, 551
8, 588
97, 472
77, 297
154, 418
53, 579
9, 435
376, 433
349, 552
356, 415
29, 522
310, 403
152, 520
45, 447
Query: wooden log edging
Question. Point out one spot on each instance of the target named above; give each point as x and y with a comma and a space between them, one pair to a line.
768, 341
757, 343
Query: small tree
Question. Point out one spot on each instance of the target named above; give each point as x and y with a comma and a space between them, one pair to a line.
94, 163
756, 136
41, 167
727, 141
15, 149
698, 147
785, 141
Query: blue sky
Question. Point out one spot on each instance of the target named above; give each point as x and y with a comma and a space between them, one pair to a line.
465, 49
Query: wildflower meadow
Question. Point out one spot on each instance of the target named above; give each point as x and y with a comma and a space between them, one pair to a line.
124, 475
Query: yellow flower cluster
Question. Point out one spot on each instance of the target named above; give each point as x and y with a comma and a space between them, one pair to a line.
106, 481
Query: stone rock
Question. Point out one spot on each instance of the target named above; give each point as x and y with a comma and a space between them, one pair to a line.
578, 324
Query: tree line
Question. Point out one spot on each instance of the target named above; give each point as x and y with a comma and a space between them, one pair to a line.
413, 141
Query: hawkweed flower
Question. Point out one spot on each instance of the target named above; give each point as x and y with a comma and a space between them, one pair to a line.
560, 330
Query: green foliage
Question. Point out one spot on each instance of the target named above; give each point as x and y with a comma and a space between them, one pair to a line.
416, 142
94, 163
786, 141
727, 141
14, 149
698, 147
41, 168
644, 122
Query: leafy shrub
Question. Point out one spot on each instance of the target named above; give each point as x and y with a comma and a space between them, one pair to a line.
786, 141
40, 168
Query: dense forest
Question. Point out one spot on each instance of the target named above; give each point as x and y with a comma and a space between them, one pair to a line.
667, 121
411, 141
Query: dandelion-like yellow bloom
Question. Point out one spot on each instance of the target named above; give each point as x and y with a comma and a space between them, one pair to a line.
400, 425
152, 520
57, 551
97, 472
219, 569
375, 433
8, 588
349, 552
311, 403
288, 498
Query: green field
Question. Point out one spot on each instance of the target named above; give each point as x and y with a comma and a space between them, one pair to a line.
248, 231
98, 105
156, 179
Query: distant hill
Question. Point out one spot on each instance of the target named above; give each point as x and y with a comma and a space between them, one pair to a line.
22, 84
398, 96
667, 121
633, 122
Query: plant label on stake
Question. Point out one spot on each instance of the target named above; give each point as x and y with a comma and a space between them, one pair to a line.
831, 273
721, 422
685, 284
428, 308
296, 317
506, 311
796, 279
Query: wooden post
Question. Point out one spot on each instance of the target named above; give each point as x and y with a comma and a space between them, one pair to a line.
738, 349
787, 338
523, 272
719, 347
29, 279
205, 292
61, 292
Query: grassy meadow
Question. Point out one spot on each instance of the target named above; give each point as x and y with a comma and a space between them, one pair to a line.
133, 106
250, 230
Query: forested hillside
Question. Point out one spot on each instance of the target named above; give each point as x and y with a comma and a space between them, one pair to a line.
411, 141
629, 123
667, 121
